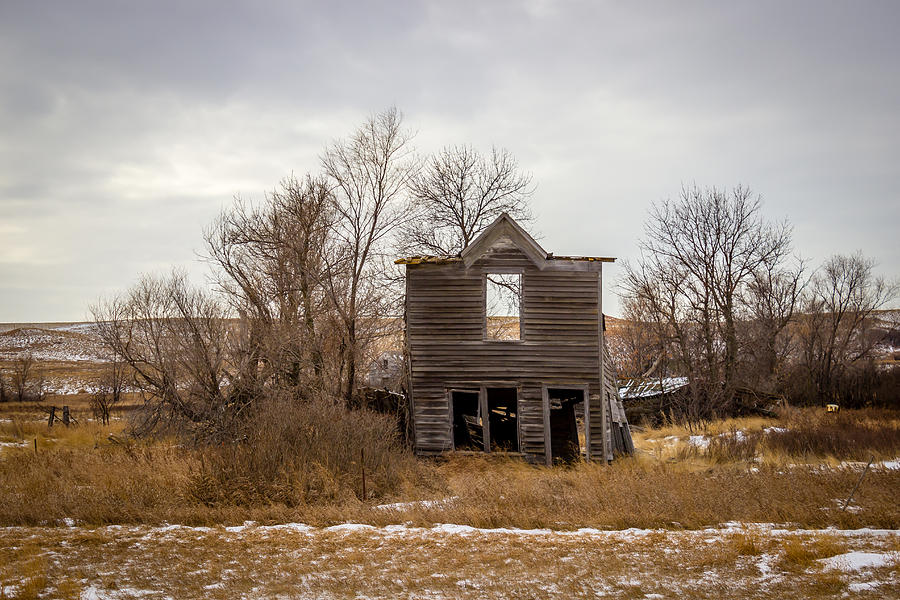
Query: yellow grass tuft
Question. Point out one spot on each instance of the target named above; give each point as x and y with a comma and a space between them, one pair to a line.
801, 553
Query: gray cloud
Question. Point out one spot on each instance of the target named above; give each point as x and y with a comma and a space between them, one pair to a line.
126, 127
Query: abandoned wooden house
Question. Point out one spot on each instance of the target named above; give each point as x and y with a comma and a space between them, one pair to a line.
507, 352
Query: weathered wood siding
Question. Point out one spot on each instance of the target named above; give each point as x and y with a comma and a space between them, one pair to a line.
445, 331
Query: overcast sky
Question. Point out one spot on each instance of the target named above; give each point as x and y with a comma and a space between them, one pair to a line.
125, 127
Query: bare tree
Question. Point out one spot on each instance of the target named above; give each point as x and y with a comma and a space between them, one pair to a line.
770, 301
271, 263
27, 380
184, 353
837, 315
458, 193
369, 173
698, 255
640, 344
111, 386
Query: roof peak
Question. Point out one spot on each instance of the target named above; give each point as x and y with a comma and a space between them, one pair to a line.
504, 226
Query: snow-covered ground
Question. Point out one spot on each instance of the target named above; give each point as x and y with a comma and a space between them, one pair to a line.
74, 349
76, 342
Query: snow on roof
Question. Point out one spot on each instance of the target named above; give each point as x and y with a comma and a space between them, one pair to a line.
647, 388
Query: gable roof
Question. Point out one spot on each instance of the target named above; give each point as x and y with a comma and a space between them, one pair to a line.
503, 226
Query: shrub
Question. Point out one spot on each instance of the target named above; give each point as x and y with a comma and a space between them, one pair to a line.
297, 451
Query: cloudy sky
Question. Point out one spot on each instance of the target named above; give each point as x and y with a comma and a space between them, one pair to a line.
125, 127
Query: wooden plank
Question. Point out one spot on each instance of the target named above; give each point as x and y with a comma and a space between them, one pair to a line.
485, 418
603, 436
548, 452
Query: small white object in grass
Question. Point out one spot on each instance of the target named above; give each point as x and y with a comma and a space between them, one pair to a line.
69, 522
892, 465
854, 561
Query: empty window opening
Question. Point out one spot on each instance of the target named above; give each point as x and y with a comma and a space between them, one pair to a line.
503, 301
502, 406
467, 425
564, 436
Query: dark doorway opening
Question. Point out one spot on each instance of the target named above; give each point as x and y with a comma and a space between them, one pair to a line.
502, 407
564, 444
467, 431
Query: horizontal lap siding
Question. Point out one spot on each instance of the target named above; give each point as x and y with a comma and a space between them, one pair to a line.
447, 349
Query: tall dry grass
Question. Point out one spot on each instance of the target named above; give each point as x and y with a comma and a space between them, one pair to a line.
809, 436
635, 493
305, 465
847, 435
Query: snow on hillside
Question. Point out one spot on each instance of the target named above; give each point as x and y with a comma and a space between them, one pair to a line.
71, 342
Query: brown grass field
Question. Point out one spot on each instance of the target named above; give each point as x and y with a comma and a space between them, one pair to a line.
735, 511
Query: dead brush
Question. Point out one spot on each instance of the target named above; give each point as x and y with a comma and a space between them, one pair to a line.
801, 434
298, 452
848, 435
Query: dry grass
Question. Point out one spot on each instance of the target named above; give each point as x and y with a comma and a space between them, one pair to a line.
848, 435
154, 483
264, 562
79, 405
78, 473
799, 553
798, 436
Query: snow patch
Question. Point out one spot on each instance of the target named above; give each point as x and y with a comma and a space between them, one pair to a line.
298, 527
452, 528
417, 504
91, 593
855, 561
239, 528
700, 441
13, 444
863, 586
350, 527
